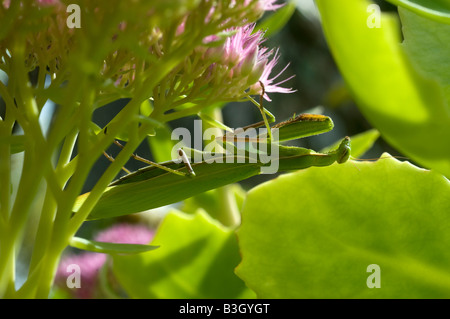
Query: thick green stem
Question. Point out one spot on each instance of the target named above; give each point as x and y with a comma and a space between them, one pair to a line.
44, 229
62, 235
29, 183
229, 214
48, 269
37, 164
56, 225
8, 264
62, 231
106, 178
7, 257
5, 177
58, 240
28, 187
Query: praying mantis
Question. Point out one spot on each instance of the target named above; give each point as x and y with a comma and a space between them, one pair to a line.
157, 185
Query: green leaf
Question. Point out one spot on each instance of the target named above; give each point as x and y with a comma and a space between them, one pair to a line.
161, 144
408, 107
277, 20
211, 201
196, 260
224, 204
213, 122
109, 248
335, 221
159, 188
146, 108
361, 143
137, 119
437, 10
428, 50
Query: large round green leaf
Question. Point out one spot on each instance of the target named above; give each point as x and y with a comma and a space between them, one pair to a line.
438, 10
403, 90
427, 43
196, 259
314, 233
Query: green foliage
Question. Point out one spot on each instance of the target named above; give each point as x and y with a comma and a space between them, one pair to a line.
166, 188
196, 260
408, 105
313, 233
438, 10
161, 144
108, 248
212, 201
427, 44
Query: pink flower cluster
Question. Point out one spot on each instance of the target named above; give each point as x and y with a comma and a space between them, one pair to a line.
240, 64
216, 67
244, 57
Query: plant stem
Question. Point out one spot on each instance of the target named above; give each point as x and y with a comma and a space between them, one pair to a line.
6, 244
32, 173
229, 214
5, 177
56, 226
44, 230
8, 264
